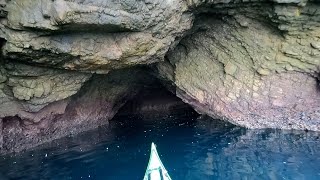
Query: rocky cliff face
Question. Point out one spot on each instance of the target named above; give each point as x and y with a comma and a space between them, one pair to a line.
255, 64
94, 36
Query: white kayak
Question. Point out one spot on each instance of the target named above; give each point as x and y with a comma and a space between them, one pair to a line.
155, 169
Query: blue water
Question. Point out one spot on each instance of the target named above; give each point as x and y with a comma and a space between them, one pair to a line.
190, 148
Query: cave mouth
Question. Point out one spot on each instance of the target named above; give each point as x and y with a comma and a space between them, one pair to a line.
155, 102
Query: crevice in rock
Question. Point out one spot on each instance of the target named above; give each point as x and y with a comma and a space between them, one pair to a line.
78, 29
3, 12
2, 42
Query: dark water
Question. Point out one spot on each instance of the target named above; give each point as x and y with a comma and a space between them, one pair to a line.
200, 150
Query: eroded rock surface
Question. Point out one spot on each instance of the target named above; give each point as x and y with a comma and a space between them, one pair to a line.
95, 36
253, 73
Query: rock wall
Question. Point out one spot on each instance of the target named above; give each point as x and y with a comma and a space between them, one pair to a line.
253, 66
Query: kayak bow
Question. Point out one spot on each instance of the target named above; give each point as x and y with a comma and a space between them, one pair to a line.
155, 169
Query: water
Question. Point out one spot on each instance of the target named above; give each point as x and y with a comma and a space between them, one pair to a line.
190, 149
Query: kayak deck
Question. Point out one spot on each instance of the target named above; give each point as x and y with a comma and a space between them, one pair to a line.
155, 169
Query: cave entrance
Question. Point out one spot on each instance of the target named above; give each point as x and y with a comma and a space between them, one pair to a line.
155, 102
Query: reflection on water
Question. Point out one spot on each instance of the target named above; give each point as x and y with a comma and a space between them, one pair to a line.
190, 149
253, 154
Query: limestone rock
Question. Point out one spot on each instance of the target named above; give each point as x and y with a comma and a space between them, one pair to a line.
241, 74
35, 88
92, 36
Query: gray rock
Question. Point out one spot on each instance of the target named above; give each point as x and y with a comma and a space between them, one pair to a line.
254, 77
94, 36
37, 88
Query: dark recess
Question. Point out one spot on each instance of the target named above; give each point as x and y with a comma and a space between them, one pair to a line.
2, 42
155, 100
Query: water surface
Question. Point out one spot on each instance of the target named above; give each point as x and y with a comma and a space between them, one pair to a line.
190, 148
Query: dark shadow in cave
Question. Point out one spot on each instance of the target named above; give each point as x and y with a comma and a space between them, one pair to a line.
155, 103
2, 42
153, 100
